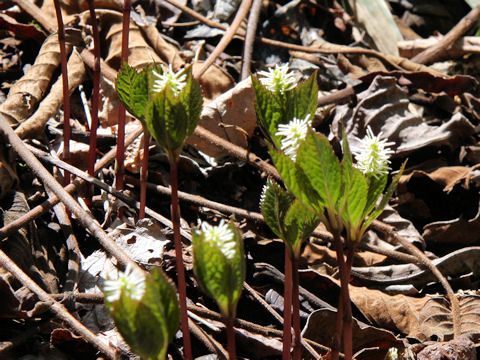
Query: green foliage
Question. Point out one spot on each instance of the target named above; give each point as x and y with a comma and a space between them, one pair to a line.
274, 109
220, 269
148, 325
132, 90
288, 218
170, 118
340, 195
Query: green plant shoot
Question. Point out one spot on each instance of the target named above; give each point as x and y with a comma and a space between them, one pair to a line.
219, 264
145, 310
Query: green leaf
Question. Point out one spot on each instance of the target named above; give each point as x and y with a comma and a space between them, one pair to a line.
274, 207
167, 120
297, 182
149, 325
192, 99
356, 198
269, 111
299, 224
375, 189
322, 168
385, 199
161, 297
132, 90
220, 276
302, 100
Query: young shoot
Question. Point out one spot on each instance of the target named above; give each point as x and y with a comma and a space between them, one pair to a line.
219, 266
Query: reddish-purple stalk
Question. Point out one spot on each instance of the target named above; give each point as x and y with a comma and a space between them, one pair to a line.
181, 285
345, 321
92, 151
66, 92
119, 177
232, 353
297, 335
144, 173
287, 307
337, 335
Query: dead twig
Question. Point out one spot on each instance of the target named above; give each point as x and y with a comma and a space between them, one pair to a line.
60, 311
435, 52
227, 37
49, 181
48, 204
250, 37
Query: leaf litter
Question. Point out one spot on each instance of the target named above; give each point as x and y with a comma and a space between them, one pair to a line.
431, 117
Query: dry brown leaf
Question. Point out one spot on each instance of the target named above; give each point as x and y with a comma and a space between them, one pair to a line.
397, 313
8, 176
321, 326
457, 349
436, 320
231, 116
54, 100
28, 91
140, 53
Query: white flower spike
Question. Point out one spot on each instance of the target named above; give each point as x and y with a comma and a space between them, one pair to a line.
373, 154
222, 236
293, 134
131, 282
176, 81
277, 79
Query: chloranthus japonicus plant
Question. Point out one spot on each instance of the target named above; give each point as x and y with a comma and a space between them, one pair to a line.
169, 105
346, 195
219, 267
145, 310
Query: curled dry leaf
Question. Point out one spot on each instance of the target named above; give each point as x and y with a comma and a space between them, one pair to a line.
454, 264
321, 326
50, 105
457, 349
443, 200
28, 91
436, 320
384, 106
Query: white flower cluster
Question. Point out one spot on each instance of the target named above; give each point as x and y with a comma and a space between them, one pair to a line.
373, 154
131, 283
277, 79
293, 134
222, 236
176, 81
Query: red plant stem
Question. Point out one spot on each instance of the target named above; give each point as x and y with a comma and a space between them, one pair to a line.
66, 92
297, 334
95, 98
182, 287
347, 315
144, 173
119, 177
287, 307
337, 338
232, 353
345, 321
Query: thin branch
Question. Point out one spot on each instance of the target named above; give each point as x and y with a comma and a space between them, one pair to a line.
85, 218
66, 95
92, 152
226, 39
250, 37
55, 306
47, 205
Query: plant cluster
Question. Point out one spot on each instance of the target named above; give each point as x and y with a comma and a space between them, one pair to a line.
345, 195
